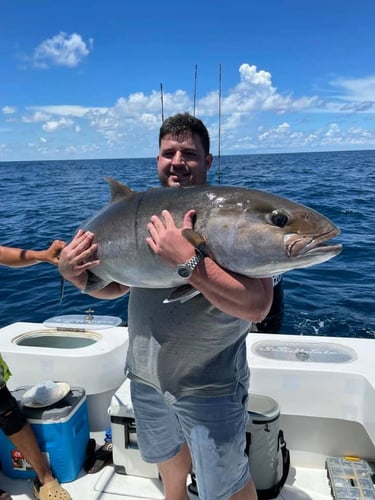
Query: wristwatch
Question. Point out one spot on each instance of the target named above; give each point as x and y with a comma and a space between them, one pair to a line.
186, 270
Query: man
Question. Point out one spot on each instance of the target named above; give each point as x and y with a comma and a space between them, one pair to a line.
187, 362
12, 422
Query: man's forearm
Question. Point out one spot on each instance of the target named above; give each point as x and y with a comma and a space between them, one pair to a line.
237, 295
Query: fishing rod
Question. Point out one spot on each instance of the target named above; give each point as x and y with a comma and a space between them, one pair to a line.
219, 132
162, 102
195, 88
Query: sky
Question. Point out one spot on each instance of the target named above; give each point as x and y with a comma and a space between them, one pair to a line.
82, 78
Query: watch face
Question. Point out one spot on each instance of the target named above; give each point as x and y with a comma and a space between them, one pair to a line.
184, 271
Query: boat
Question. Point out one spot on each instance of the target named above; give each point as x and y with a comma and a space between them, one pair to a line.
325, 391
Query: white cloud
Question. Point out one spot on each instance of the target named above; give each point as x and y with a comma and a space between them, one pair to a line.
356, 89
9, 110
282, 130
333, 130
138, 103
284, 137
131, 117
54, 125
36, 117
351, 96
253, 77
69, 110
62, 50
255, 93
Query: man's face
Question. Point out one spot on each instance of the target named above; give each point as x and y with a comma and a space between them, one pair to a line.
182, 162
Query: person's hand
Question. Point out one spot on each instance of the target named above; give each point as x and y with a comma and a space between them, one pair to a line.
166, 239
77, 257
52, 254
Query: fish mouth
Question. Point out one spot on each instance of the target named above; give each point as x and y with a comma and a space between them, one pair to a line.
312, 244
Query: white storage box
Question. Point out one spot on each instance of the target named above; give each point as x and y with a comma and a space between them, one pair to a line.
126, 455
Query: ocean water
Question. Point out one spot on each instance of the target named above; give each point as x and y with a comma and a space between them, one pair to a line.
42, 201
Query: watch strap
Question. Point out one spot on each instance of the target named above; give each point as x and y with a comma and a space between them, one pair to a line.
186, 270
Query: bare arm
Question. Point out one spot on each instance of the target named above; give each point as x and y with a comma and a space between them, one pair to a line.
17, 257
77, 258
246, 298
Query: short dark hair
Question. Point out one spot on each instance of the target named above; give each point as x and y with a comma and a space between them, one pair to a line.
182, 124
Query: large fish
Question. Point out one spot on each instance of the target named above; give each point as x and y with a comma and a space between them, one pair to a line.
250, 232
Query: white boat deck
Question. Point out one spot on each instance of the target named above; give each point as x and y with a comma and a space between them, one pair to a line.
302, 484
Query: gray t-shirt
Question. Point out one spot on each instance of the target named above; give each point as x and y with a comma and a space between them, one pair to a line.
184, 349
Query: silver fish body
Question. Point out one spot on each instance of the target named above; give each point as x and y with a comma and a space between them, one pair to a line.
250, 232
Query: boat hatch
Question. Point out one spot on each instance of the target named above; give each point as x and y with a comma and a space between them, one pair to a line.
314, 352
57, 338
87, 321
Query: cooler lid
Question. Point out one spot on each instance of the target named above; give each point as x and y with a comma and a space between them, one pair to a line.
263, 405
83, 321
57, 412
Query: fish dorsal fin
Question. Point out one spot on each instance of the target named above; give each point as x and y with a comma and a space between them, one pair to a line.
118, 190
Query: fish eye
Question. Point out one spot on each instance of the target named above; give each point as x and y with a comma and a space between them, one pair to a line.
279, 219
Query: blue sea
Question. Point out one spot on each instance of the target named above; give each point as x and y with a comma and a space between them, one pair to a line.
45, 200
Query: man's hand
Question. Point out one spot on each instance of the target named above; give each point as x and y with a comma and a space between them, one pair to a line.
52, 254
77, 257
166, 239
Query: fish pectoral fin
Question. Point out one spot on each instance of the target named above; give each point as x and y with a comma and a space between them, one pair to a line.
181, 294
94, 283
118, 190
197, 240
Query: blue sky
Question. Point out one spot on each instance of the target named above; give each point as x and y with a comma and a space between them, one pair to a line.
81, 78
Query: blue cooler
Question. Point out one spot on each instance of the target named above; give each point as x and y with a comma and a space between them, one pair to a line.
62, 432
